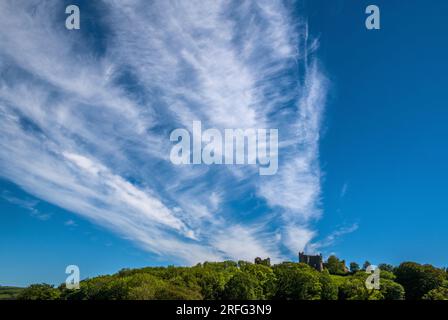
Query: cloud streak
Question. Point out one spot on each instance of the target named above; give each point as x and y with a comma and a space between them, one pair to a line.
85, 126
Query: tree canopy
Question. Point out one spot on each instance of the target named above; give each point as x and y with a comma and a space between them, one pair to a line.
243, 280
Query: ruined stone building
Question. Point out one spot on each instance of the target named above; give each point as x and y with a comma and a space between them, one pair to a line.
266, 262
315, 262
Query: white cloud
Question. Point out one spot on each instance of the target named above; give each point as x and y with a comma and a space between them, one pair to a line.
28, 204
329, 240
344, 190
240, 243
88, 130
70, 223
297, 238
215, 200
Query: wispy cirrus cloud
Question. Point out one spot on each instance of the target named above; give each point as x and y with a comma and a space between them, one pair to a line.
28, 204
331, 238
86, 125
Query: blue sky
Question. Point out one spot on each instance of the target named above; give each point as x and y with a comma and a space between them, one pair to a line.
86, 116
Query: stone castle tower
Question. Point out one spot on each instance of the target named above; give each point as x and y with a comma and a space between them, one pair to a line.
266, 262
315, 262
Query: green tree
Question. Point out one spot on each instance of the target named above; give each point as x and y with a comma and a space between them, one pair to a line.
386, 267
100, 288
354, 267
265, 277
39, 292
366, 265
212, 278
144, 287
329, 286
243, 286
297, 281
335, 266
391, 290
387, 275
354, 288
418, 279
440, 293
172, 292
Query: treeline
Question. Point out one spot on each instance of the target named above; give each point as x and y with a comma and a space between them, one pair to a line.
9, 293
242, 280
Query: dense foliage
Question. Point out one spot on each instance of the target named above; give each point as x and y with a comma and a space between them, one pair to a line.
9, 293
248, 281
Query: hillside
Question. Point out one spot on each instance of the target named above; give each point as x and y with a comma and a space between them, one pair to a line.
242, 280
9, 293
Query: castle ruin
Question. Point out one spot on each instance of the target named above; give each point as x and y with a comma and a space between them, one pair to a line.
315, 261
